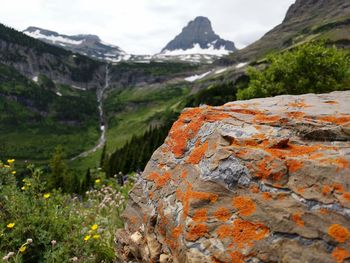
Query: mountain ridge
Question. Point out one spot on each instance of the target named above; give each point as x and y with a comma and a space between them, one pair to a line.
305, 20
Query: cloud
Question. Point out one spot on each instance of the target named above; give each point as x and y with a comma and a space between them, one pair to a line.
145, 26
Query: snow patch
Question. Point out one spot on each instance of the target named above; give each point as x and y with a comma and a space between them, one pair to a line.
52, 38
76, 87
220, 70
197, 77
241, 65
197, 50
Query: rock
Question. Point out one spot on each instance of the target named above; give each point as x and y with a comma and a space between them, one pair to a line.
164, 258
265, 180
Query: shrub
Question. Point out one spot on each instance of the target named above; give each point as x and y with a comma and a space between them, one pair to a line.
309, 68
38, 226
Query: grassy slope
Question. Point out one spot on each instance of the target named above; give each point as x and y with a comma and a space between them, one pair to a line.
34, 119
132, 111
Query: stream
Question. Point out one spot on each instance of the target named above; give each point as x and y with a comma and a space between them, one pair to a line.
102, 139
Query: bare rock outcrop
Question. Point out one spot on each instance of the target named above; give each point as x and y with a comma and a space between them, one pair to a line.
265, 180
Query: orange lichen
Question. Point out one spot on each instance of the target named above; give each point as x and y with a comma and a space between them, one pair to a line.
160, 180
177, 232
298, 220
184, 174
339, 233
267, 196
316, 156
281, 196
324, 211
296, 115
197, 153
346, 196
335, 120
300, 104
188, 125
301, 190
196, 231
262, 118
342, 163
245, 232
225, 231
340, 254
255, 189
185, 198
326, 190
244, 205
294, 165
200, 216
338, 188
237, 257
223, 214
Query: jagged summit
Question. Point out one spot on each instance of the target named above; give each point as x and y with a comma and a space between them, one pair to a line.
198, 37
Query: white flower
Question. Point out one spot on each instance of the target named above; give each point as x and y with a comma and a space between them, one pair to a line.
53, 242
29, 241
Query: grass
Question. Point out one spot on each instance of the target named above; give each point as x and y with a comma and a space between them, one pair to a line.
132, 111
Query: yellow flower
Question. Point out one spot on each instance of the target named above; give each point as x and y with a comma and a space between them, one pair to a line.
23, 188
13, 172
11, 225
7, 166
22, 249
86, 238
94, 227
97, 181
96, 236
46, 196
11, 161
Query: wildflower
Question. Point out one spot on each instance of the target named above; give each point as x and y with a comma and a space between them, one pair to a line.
11, 161
10, 225
94, 227
8, 256
96, 236
53, 242
22, 249
7, 166
13, 172
46, 196
86, 238
23, 188
74, 259
29, 241
97, 181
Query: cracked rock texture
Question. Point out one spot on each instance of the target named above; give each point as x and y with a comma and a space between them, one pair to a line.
265, 180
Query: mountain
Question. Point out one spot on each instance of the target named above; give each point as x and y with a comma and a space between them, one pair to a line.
305, 20
88, 45
197, 38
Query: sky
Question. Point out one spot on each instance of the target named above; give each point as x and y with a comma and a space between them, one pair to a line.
145, 26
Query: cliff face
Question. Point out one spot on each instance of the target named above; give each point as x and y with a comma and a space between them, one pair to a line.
265, 180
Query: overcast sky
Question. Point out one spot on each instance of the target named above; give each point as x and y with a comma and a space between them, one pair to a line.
145, 26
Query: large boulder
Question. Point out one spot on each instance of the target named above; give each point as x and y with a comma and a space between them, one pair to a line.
264, 180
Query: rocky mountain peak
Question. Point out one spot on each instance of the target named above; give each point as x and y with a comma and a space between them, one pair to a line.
199, 34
